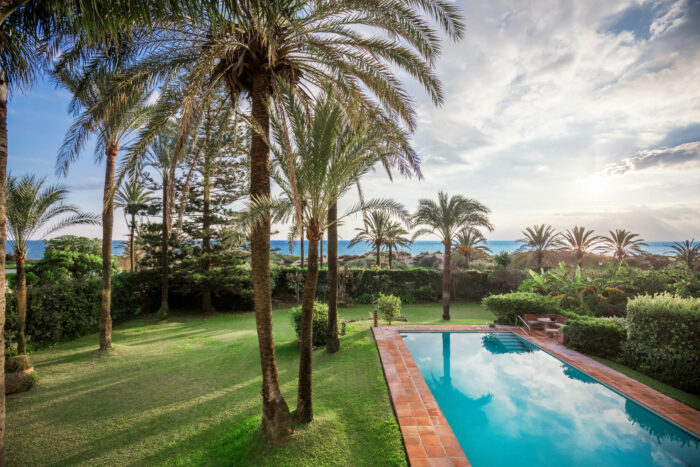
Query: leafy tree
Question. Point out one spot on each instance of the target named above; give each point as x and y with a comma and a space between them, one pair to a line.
31, 207
687, 251
446, 218
622, 243
396, 237
114, 129
161, 156
468, 243
539, 239
134, 198
69, 257
327, 157
374, 231
580, 241
216, 179
74, 243
503, 259
250, 47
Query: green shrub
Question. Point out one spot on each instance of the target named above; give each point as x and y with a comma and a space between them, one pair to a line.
507, 307
388, 307
17, 363
664, 339
407, 299
320, 322
366, 298
600, 337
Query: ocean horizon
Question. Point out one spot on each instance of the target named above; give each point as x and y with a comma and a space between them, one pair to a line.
36, 250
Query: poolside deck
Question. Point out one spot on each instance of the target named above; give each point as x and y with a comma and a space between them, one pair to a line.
428, 438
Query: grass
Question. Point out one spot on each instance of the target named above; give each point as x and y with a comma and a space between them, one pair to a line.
186, 391
687, 398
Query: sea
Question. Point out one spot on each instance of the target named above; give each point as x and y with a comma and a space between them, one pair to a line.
36, 250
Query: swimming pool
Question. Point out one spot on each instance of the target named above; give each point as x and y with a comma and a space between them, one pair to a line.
509, 402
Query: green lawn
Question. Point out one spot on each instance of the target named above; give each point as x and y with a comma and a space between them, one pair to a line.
187, 391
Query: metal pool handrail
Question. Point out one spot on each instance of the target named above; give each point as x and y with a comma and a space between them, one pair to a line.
526, 325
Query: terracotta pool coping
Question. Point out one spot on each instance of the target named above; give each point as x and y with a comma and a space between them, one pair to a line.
428, 438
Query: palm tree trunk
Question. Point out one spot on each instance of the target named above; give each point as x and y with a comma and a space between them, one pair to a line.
332, 341
21, 302
107, 225
446, 279
579, 260
3, 231
305, 412
379, 245
164, 307
301, 244
276, 425
390, 258
132, 234
206, 242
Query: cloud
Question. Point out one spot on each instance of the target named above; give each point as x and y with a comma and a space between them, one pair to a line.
681, 157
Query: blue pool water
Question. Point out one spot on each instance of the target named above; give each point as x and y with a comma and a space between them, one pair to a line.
511, 403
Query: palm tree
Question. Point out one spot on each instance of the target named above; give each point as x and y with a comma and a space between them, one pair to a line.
114, 130
133, 197
249, 47
162, 157
687, 251
396, 237
374, 231
328, 157
580, 241
31, 206
447, 218
622, 243
468, 242
539, 239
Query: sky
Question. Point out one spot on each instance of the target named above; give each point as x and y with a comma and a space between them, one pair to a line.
558, 112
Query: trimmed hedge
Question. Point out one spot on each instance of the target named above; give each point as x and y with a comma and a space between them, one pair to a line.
664, 339
600, 337
507, 307
320, 323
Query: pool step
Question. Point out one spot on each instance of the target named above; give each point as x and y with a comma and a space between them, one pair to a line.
512, 343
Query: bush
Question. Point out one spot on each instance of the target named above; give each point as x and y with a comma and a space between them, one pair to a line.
507, 307
17, 363
320, 322
664, 339
600, 337
388, 307
366, 298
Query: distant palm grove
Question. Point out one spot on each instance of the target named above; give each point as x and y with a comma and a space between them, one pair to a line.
214, 122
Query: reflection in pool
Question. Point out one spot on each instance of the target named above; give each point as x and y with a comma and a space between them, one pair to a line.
510, 403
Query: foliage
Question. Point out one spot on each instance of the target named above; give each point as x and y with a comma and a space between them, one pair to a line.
580, 241
92, 246
17, 363
320, 322
601, 337
687, 251
389, 307
622, 243
540, 239
503, 259
507, 307
664, 339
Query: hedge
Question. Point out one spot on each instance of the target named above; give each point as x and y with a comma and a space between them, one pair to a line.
507, 307
664, 339
600, 337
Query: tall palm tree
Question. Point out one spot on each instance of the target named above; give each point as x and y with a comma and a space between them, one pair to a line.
395, 238
468, 242
580, 241
249, 46
622, 243
161, 156
539, 239
133, 197
328, 157
114, 130
687, 251
374, 231
446, 218
31, 207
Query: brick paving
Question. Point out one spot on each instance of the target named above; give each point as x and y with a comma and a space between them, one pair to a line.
428, 438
